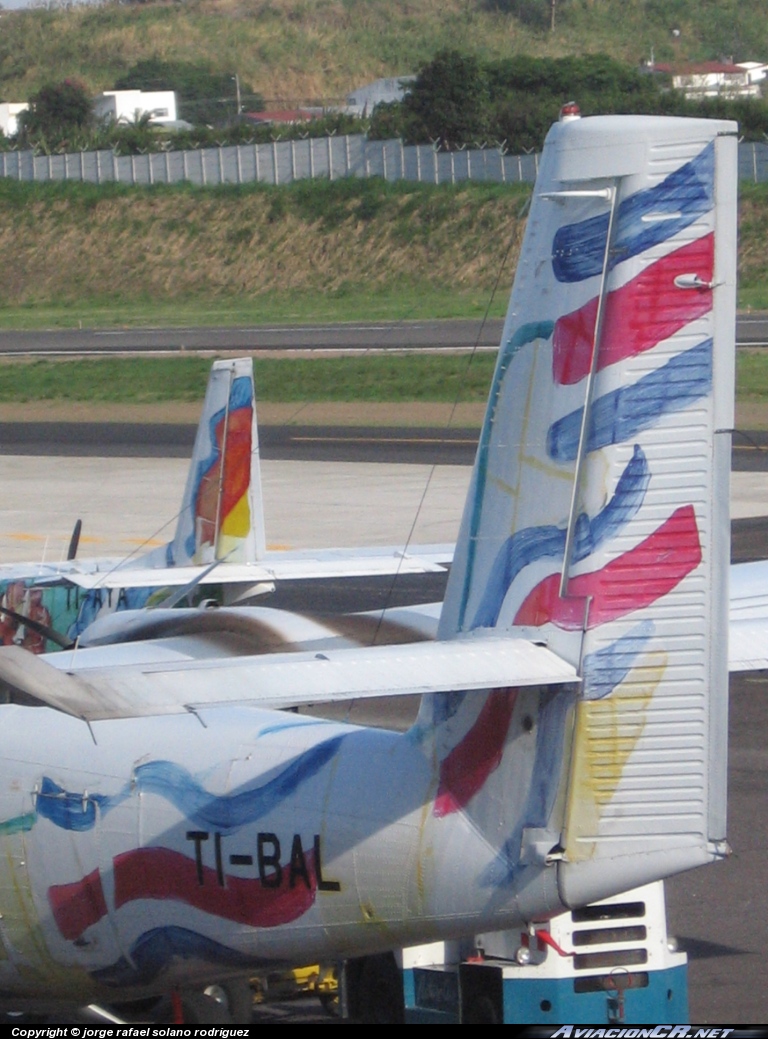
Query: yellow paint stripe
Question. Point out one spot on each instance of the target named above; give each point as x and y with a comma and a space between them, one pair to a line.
605, 734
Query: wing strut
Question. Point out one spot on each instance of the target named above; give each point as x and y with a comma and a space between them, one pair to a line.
222, 465
612, 195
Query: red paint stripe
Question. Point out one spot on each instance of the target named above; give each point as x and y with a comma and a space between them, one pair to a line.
165, 875
237, 461
77, 906
465, 770
631, 581
237, 472
639, 315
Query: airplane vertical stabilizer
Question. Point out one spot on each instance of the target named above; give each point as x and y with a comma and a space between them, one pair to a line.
221, 516
597, 519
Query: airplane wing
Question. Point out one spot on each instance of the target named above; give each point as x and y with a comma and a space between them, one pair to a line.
748, 624
159, 635
280, 680
275, 566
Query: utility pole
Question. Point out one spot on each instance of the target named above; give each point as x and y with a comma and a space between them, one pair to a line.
552, 5
237, 95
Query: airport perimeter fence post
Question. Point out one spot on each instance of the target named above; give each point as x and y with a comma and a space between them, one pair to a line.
759, 164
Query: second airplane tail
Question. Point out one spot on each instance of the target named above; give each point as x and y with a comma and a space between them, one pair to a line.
221, 516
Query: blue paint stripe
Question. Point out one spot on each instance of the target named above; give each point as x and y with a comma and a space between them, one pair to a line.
579, 249
176, 785
505, 867
527, 333
534, 543
606, 668
154, 950
70, 811
619, 416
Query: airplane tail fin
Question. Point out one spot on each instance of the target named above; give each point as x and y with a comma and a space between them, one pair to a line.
597, 519
221, 515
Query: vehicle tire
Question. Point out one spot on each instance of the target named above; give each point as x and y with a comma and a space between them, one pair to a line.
236, 997
329, 1001
381, 991
481, 1011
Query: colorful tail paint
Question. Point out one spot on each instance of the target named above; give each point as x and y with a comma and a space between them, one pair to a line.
221, 515
597, 520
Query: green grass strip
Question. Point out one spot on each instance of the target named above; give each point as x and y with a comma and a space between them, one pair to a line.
399, 377
353, 303
752, 375
375, 378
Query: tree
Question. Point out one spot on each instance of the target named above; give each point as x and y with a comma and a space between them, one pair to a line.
448, 100
57, 113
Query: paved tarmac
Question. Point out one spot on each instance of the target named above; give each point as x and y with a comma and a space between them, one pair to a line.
340, 336
428, 445
720, 913
751, 330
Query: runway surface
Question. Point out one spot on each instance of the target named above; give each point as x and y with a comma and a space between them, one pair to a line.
406, 444
341, 336
719, 913
751, 330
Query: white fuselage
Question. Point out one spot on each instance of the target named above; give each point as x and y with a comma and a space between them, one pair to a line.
125, 870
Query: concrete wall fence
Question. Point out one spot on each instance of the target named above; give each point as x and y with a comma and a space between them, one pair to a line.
281, 162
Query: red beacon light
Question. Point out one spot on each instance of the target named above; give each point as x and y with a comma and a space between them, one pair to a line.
569, 111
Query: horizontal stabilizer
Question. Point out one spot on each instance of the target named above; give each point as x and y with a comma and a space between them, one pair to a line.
284, 680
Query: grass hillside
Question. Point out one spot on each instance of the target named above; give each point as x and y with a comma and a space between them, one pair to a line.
345, 250
322, 49
342, 249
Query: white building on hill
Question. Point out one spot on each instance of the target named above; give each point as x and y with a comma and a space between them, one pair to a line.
9, 116
128, 106
363, 100
714, 79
